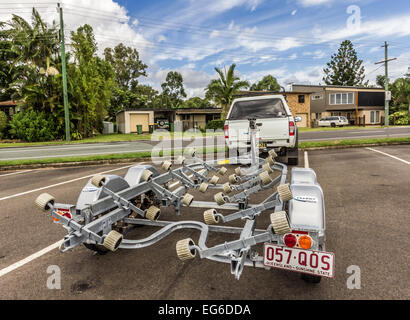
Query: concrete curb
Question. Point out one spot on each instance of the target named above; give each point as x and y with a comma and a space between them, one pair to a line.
130, 160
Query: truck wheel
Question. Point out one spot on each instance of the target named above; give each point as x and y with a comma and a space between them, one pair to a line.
333, 125
310, 278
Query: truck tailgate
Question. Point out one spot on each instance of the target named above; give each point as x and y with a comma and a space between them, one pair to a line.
271, 129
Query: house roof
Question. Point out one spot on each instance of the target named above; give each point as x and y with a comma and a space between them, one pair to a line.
261, 93
335, 87
177, 111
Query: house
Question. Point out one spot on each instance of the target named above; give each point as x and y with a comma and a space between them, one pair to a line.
127, 120
359, 105
298, 102
9, 107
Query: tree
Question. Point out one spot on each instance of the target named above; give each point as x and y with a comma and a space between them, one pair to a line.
173, 89
197, 103
268, 83
127, 66
401, 94
221, 90
345, 69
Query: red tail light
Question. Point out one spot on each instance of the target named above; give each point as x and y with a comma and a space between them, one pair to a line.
226, 131
291, 128
290, 240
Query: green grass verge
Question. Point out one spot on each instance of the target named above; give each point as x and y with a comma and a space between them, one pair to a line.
342, 128
131, 156
351, 142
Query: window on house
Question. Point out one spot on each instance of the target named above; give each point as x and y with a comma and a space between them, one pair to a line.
338, 98
301, 98
332, 99
341, 98
344, 98
377, 116
350, 98
372, 116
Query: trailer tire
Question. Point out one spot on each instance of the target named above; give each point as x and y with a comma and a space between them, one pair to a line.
203, 187
153, 213
214, 180
219, 198
227, 188
187, 199
166, 165
147, 175
44, 201
183, 250
284, 192
210, 216
113, 240
280, 223
101, 250
265, 178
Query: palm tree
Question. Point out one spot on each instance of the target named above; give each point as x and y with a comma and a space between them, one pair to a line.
222, 90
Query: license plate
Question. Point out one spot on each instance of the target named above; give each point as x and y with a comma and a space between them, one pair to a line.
318, 263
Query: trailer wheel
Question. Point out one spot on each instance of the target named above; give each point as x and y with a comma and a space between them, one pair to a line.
284, 192
265, 178
113, 240
203, 187
146, 175
272, 153
266, 167
98, 180
152, 213
270, 160
219, 198
233, 178
101, 250
238, 171
222, 171
44, 201
214, 180
210, 216
184, 252
227, 188
280, 222
166, 165
187, 199
310, 278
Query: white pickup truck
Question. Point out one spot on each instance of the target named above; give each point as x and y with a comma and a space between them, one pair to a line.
277, 127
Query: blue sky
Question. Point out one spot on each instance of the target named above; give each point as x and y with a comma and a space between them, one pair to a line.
290, 39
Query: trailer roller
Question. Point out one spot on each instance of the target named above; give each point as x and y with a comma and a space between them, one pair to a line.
185, 250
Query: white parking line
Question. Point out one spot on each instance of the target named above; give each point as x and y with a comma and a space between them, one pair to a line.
30, 258
306, 160
65, 182
389, 155
10, 174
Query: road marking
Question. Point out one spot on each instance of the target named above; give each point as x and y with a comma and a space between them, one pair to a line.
306, 160
30, 258
65, 182
389, 155
18, 172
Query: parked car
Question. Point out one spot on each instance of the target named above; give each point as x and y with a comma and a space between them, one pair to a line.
333, 122
277, 127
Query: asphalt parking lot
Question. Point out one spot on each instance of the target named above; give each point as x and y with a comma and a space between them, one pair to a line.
367, 217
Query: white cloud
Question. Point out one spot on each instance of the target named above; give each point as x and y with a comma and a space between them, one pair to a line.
293, 12
161, 38
214, 34
310, 3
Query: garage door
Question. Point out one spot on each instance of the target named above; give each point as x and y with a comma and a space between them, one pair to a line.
304, 122
140, 118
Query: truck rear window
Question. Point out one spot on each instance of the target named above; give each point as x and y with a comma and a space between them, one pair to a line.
266, 108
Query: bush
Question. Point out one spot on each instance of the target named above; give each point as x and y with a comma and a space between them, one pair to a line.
400, 118
32, 126
3, 124
215, 124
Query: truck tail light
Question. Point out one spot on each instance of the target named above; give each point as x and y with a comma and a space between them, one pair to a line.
305, 242
291, 128
290, 240
226, 131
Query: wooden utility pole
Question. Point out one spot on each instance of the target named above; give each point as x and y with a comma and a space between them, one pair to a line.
64, 74
386, 82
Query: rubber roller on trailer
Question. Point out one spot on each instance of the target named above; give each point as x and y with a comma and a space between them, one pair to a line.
98, 180
210, 216
238, 171
180, 160
222, 171
113, 240
270, 160
184, 251
284, 192
267, 167
153, 213
187, 199
227, 188
146, 175
44, 201
166, 165
233, 178
214, 180
272, 153
265, 178
220, 198
191, 152
280, 222
203, 187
